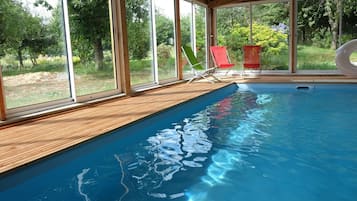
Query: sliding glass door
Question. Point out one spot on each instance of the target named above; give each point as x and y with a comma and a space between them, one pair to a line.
151, 41
54, 53
193, 18
323, 26
264, 24
92, 49
33, 53
165, 39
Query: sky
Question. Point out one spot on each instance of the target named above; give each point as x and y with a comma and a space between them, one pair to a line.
40, 10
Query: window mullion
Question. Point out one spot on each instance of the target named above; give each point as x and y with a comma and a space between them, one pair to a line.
69, 51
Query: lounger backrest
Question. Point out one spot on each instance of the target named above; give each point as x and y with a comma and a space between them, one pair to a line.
251, 58
219, 54
191, 58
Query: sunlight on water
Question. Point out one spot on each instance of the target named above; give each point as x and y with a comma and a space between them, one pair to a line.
80, 177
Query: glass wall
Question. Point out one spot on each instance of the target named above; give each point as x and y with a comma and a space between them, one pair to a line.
91, 41
194, 31
271, 31
52, 52
233, 31
200, 16
165, 39
186, 23
265, 24
151, 40
33, 53
322, 28
138, 16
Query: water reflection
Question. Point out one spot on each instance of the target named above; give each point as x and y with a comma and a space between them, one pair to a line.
206, 146
170, 151
242, 134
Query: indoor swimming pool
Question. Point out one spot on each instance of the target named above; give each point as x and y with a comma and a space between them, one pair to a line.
266, 142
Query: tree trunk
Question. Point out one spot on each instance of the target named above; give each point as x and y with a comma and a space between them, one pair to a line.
19, 54
333, 19
99, 57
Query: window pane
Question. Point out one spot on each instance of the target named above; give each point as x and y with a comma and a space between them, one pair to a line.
233, 31
270, 30
32, 53
186, 31
315, 36
200, 29
90, 28
165, 38
138, 16
194, 32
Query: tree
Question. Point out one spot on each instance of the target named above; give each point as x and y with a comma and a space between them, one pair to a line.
90, 23
321, 19
166, 29
332, 11
10, 29
137, 16
185, 30
227, 18
271, 14
21, 30
55, 31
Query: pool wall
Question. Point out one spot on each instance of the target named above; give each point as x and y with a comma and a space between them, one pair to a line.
297, 87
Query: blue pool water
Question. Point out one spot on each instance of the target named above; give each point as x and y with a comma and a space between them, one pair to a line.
261, 142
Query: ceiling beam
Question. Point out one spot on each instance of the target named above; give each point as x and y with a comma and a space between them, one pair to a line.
202, 1
218, 3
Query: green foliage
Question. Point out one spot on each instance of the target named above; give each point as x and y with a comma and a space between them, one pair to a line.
200, 22
185, 30
164, 52
319, 20
22, 33
230, 17
90, 26
273, 42
140, 65
321, 38
165, 33
271, 14
137, 17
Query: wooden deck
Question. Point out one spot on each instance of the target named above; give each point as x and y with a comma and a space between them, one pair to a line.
29, 141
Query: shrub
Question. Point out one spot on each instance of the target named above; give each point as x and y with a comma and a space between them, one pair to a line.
164, 53
273, 42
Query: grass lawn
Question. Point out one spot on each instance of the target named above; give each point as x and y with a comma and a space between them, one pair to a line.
315, 58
